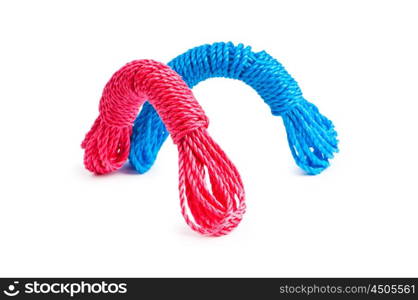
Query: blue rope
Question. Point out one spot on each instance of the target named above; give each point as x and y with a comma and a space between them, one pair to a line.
311, 136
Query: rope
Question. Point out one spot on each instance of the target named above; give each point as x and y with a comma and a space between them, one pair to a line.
311, 136
211, 209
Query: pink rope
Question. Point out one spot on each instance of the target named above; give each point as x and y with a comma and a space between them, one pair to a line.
211, 208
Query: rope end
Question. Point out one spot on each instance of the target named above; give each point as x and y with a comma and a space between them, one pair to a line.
312, 137
106, 147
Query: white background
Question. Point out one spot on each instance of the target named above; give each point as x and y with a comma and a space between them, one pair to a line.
356, 60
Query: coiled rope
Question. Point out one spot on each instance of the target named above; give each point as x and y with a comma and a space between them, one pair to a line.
213, 210
311, 136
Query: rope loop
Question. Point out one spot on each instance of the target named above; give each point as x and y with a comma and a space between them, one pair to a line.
212, 208
311, 136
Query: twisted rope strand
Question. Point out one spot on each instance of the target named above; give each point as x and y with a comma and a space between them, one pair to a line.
211, 208
311, 136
